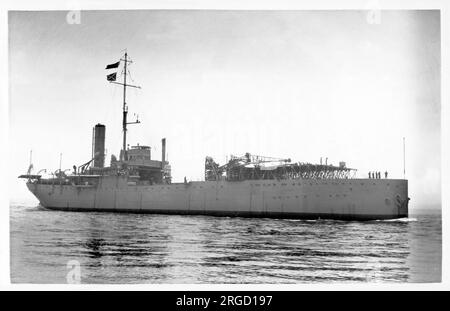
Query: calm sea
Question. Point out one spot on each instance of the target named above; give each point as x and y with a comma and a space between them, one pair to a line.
133, 248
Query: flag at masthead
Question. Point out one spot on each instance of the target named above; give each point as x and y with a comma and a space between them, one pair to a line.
112, 79
111, 66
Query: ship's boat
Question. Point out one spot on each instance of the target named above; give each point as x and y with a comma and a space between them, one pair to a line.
248, 185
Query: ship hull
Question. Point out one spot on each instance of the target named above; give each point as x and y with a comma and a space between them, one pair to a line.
347, 199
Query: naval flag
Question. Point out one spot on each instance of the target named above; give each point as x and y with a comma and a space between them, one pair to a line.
111, 77
111, 66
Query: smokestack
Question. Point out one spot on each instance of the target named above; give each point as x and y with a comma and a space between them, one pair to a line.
99, 145
163, 151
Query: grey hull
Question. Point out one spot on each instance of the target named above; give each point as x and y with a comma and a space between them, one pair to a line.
347, 199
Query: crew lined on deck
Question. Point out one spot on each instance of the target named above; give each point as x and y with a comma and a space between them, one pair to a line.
377, 175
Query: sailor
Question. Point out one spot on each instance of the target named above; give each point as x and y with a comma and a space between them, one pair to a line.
370, 176
185, 180
385, 174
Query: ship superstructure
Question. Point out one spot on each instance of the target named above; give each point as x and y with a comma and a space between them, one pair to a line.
248, 185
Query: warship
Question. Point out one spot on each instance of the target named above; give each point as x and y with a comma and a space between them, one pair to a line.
245, 186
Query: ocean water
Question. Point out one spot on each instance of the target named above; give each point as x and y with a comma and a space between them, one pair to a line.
50, 246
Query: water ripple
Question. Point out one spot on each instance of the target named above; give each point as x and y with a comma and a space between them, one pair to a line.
133, 248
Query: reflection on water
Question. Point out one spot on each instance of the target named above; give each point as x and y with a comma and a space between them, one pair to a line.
133, 248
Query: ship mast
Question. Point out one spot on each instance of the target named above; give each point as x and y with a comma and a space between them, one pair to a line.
125, 109
125, 59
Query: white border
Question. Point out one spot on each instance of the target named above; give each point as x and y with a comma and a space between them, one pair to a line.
229, 5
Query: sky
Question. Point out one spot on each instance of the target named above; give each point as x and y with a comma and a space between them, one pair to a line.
288, 84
